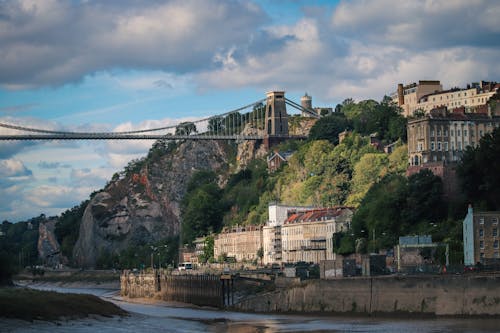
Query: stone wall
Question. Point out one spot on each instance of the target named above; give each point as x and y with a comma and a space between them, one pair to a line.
203, 289
439, 295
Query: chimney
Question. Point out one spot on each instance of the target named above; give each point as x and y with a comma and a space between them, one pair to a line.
401, 98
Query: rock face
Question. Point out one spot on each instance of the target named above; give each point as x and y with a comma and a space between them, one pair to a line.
144, 206
250, 150
48, 246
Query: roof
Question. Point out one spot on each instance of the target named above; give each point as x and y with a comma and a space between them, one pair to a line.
315, 215
283, 155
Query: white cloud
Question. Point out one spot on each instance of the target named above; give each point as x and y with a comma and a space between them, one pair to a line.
13, 168
54, 42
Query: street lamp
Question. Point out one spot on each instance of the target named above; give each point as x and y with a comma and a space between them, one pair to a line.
153, 249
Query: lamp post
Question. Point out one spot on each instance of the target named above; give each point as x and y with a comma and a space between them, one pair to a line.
153, 249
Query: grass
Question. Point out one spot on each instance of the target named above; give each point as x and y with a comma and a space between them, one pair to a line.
29, 304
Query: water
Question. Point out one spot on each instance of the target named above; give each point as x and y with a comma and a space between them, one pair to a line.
169, 318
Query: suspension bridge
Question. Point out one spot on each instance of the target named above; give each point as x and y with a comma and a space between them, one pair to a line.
264, 119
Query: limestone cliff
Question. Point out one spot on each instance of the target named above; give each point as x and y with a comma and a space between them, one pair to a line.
143, 206
48, 246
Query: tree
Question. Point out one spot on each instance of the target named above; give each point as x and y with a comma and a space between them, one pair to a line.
370, 169
260, 254
380, 211
201, 207
215, 125
185, 128
208, 250
479, 174
329, 128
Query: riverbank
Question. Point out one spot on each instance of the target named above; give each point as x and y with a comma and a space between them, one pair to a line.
30, 304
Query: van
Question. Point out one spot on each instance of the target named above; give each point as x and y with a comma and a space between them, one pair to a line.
185, 266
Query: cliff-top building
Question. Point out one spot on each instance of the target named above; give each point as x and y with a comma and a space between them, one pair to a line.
438, 140
429, 94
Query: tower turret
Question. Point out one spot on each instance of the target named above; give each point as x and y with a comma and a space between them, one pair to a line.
306, 103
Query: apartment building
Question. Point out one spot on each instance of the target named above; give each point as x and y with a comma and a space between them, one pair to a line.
271, 232
427, 95
444, 136
308, 236
240, 242
481, 239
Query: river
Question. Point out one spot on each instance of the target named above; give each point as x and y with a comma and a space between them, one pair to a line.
166, 317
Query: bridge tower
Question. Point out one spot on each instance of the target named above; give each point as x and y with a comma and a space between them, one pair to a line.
276, 119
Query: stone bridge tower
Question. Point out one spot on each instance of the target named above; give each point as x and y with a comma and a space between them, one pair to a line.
276, 125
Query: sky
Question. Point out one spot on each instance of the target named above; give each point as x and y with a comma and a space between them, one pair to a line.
110, 65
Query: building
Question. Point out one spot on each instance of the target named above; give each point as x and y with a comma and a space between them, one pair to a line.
277, 159
427, 95
241, 243
306, 103
480, 233
308, 235
271, 232
437, 141
444, 136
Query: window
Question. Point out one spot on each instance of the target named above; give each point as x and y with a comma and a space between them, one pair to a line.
445, 132
439, 132
446, 146
481, 220
465, 132
494, 220
481, 244
496, 255
439, 146
458, 132
481, 232
495, 244
494, 232
459, 144
451, 132
432, 146
432, 132
452, 145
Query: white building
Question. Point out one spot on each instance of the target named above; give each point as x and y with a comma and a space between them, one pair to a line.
427, 95
271, 232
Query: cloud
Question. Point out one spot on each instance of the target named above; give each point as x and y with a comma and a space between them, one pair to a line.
12, 172
13, 168
55, 42
365, 49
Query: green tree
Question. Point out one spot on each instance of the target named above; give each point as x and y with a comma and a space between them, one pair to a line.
329, 128
370, 169
380, 212
67, 228
208, 250
201, 207
479, 174
185, 128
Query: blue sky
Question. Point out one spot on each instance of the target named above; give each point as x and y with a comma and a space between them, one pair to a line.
129, 64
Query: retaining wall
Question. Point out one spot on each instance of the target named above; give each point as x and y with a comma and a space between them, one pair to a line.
433, 295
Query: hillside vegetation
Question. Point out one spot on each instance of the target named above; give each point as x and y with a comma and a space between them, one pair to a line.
321, 172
